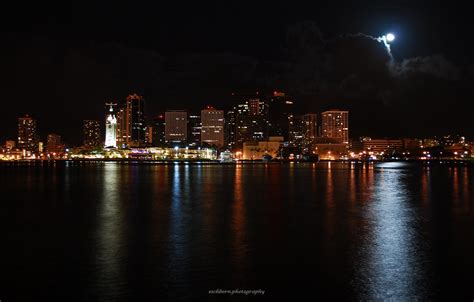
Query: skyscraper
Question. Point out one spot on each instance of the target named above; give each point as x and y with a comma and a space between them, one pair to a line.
212, 131
53, 143
135, 120
310, 129
111, 128
27, 134
280, 108
295, 130
194, 129
335, 124
230, 123
176, 126
251, 121
122, 135
91, 133
149, 136
159, 131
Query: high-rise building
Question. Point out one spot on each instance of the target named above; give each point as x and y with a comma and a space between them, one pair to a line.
27, 134
159, 131
111, 128
135, 120
212, 131
251, 121
255, 106
149, 136
230, 123
53, 143
335, 124
295, 130
280, 108
176, 126
194, 129
91, 133
123, 136
310, 128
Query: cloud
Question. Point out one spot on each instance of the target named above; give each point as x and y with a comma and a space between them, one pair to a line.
436, 65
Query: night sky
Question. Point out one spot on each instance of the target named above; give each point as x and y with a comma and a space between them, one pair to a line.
61, 63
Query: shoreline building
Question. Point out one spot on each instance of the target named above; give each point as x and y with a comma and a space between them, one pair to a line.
121, 133
248, 122
158, 139
111, 128
131, 124
194, 129
280, 110
91, 134
53, 144
310, 129
135, 124
176, 125
335, 124
212, 129
27, 134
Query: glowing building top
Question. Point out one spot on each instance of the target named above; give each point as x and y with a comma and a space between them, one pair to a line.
111, 128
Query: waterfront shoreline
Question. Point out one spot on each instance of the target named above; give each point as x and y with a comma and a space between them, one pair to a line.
240, 162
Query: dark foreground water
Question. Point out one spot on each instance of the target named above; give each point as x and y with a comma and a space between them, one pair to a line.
111, 231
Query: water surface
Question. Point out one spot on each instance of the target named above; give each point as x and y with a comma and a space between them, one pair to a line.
114, 231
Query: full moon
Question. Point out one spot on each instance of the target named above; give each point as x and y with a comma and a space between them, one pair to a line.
390, 37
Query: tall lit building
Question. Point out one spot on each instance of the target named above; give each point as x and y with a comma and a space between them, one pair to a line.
280, 109
27, 134
176, 126
295, 130
159, 131
149, 136
111, 128
310, 128
212, 131
194, 129
230, 122
335, 124
249, 120
91, 134
122, 135
135, 120
53, 143
254, 106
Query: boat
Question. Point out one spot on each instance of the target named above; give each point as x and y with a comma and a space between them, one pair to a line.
226, 157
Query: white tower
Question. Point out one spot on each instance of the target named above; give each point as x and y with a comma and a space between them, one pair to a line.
111, 128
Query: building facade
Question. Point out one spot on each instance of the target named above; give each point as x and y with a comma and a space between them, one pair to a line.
135, 120
280, 109
53, 143
335, 124
194, 129
159, 131
27, 134
309, 129
212, 129
110, 128
176, 125
91, 134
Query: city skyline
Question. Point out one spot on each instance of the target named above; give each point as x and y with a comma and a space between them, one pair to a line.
253, 105
324, 57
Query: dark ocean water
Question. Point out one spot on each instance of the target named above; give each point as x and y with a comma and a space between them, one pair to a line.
143, 232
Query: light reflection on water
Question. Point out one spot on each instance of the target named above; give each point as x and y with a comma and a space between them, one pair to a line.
389, 231
389, 265
110, 246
